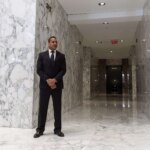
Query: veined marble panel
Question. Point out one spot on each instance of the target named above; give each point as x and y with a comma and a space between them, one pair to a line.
87, 73
17, 34
56, 23
143, 58
104, 123
24, 29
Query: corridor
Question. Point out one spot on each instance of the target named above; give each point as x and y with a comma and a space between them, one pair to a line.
104, 123
101, 60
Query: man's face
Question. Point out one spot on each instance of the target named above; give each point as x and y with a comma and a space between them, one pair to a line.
52, 44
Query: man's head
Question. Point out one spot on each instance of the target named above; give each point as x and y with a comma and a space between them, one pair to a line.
52, 43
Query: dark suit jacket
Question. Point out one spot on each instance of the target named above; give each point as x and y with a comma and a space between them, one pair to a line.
47, 69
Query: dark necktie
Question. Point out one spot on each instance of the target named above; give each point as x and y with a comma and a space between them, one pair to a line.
52, 56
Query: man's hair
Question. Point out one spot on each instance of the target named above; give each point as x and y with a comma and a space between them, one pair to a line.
51, 37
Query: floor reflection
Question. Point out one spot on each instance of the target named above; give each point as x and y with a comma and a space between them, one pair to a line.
110, 122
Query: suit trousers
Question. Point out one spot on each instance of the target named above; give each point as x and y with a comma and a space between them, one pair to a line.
43, 107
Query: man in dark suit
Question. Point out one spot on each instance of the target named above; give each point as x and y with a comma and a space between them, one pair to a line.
51, 67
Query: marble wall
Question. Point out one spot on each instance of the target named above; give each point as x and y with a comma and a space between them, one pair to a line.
86, 73
132, 70
56, 23
17, 45
143, 59
24, 29
113, 62
94, 76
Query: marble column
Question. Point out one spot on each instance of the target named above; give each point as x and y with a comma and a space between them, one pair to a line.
24, 31
17, 44
132, 64
94, 76
86, 73
143, 60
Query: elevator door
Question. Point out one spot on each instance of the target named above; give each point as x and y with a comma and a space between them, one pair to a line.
114, 79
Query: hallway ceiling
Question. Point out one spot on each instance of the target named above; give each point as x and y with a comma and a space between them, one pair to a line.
123, 17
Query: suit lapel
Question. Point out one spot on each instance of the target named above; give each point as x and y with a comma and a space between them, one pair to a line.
47, 55
57, 55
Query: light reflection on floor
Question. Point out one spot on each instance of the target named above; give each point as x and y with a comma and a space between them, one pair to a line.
104, 123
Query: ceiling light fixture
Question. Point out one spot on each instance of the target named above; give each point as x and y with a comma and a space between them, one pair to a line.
121, 41
78, 42
105, 22
101, 4
111, 51
98, 42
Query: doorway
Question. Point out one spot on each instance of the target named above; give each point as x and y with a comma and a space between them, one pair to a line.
114, 79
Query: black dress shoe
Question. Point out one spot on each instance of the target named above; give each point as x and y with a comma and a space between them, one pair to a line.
59, 133
38, 134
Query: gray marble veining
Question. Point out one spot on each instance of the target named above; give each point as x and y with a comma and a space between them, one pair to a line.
56, 23
25, 26
105, 123
86, 73
143, 59
17, 34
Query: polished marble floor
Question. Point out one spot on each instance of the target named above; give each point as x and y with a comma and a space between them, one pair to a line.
104, 123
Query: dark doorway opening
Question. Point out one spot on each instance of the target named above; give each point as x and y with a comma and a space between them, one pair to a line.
114, 79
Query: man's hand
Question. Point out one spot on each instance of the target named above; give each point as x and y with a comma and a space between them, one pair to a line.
53, 87
51, 82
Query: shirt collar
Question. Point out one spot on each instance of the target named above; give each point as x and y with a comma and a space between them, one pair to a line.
50, 51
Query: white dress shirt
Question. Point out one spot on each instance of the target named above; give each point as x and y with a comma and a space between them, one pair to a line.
50, 53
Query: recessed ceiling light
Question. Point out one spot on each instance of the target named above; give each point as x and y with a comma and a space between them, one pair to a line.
105, 22
101, 4
111, 51
121, 41
98, 42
